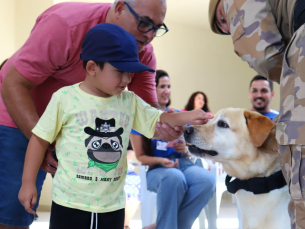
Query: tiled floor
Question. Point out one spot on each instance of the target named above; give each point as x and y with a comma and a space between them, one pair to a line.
227, 218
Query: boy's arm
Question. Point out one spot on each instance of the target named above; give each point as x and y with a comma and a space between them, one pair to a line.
33, 159
194, 117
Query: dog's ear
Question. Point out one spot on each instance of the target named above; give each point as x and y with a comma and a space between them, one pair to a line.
259, 127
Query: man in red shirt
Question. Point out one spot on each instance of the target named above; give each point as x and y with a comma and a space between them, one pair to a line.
49, 60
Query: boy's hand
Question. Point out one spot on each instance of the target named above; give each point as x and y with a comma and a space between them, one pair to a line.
199, 117
28, 197
168, 163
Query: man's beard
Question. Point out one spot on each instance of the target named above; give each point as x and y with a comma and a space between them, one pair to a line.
259, 108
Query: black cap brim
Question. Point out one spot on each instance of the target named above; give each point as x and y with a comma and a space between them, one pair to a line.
131, 67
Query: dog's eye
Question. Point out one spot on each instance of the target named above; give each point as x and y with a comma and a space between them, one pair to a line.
222, 124
96, 144
114, 145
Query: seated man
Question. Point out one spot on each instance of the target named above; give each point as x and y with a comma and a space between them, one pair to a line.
260, 94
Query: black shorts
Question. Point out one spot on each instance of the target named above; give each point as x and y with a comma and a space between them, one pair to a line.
66, 218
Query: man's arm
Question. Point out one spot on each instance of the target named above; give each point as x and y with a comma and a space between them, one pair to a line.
256, 37
15, 92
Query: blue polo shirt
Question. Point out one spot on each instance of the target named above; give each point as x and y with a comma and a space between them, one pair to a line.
271, 114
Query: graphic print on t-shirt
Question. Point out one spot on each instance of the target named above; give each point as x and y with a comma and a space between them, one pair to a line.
104, 144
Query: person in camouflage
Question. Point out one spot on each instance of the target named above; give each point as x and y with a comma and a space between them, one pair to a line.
270, 36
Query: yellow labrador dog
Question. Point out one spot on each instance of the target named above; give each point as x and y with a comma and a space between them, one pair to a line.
244, 142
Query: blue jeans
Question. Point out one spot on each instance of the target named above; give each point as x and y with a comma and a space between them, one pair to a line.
181, 193
13, 145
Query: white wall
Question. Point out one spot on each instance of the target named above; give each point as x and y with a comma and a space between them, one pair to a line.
196, 59
7, 28
26, 13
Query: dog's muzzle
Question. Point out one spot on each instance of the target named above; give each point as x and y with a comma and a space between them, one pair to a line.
188, 132
200, 152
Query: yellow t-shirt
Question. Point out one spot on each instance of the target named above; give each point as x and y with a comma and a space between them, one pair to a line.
92, 135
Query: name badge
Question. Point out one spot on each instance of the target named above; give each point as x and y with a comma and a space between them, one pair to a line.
161, 145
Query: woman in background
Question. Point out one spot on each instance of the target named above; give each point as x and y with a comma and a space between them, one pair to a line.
198, 100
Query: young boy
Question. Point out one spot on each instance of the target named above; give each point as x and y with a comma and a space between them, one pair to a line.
91, 122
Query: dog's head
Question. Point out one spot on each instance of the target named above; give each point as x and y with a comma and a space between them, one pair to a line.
234, 135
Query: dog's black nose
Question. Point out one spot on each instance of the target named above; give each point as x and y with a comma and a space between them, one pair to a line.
188, 131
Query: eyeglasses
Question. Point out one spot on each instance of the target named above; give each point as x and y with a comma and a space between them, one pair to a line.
145, 26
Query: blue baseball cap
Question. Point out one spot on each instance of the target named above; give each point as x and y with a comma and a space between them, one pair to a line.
110, 43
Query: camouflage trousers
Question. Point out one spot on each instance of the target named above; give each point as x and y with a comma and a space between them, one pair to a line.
290, 126
292, 159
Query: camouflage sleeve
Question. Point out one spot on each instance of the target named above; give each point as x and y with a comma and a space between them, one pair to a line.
255, 36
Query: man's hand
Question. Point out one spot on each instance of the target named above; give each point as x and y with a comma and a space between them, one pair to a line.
49, 164
166, 132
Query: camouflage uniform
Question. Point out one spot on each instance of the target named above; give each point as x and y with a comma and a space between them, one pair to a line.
290, 127
274, 51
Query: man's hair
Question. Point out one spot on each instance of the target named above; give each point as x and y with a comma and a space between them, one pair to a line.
132, 2
100, 64
259, 77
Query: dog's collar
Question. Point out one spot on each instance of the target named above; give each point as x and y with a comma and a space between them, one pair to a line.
257, 185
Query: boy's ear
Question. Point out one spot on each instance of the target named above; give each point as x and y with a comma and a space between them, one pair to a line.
90, 67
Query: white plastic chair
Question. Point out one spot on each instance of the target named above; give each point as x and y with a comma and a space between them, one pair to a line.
148, 201
149, 204
220, 175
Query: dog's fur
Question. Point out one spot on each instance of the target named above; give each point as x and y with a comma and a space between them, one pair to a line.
244, 142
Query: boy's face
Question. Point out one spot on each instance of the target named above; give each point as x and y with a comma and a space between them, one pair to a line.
110, 81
